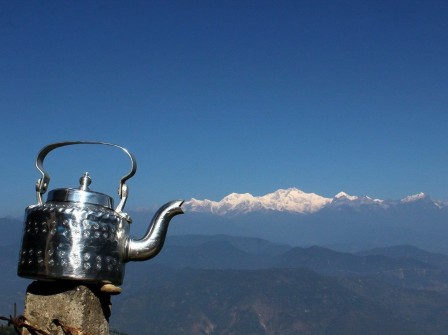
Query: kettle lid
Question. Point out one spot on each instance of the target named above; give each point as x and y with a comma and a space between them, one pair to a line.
81, 195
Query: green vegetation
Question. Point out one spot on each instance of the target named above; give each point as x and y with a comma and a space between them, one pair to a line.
116, 332
7, 330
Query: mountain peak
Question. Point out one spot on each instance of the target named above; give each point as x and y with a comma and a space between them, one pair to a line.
284, 200
238, 197
343, 195
414, 197
293, 200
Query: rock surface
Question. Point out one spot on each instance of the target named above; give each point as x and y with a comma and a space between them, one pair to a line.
55, 306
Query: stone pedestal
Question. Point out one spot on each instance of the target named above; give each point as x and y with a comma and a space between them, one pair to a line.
65, 307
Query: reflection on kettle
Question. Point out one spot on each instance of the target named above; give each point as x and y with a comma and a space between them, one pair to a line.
78, 235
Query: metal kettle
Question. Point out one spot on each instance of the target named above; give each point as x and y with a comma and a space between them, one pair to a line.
78, 235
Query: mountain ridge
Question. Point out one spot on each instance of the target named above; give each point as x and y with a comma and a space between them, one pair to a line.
294, 200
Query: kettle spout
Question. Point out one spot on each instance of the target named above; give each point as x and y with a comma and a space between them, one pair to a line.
151, 244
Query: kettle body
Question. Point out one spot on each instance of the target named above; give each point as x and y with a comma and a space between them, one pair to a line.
72, 240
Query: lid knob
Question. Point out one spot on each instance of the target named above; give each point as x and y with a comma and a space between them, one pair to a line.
84, 182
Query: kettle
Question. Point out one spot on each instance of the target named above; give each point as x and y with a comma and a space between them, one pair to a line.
78, 235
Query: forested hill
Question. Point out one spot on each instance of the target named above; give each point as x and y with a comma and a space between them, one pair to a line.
226, 285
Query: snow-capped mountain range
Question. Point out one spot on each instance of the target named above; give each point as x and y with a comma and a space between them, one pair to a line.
294, 200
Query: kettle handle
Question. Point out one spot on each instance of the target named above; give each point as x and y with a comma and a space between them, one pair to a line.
42, 183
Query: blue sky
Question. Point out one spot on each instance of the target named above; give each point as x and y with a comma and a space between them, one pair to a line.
215, 97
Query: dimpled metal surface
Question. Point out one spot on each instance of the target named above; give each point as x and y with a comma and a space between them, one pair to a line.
73, 241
